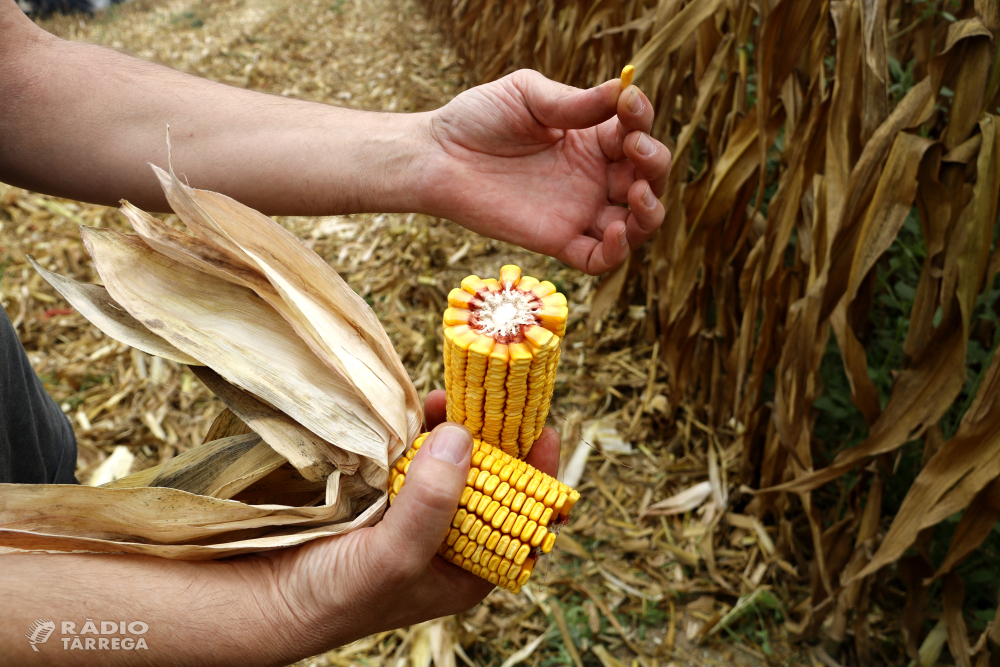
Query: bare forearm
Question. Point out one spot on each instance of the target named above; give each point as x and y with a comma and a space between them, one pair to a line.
185, 613
82, 121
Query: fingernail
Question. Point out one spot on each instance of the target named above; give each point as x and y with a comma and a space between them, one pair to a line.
648, 200
622, 238
644, 146
634, 103
451, 443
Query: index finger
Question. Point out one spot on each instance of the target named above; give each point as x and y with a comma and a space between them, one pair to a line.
544, 454
635, 112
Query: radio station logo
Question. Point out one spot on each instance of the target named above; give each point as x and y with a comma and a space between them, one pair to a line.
92, 635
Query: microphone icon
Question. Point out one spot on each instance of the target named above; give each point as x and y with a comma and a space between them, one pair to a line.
39, 632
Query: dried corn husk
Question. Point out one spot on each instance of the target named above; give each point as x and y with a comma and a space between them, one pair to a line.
298, 358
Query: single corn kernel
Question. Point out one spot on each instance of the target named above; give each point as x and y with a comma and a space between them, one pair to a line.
628, 72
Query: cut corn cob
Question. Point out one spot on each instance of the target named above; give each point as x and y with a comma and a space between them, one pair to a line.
508, 515
501, 348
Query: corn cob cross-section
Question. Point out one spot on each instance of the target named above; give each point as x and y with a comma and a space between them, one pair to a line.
501, 348
508, 515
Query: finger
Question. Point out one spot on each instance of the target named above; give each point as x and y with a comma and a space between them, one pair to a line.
634, 110
421, 514
435, 409
651, 159
608, 215
597, 257
544, 454
610, 136
557, 105
647, 214
621, 176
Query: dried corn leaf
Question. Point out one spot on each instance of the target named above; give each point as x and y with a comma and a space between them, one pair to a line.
337, 320
166, 515
219, 469
245, 341
304, 449
94, 303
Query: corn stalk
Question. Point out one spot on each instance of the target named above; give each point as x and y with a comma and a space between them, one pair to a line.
798, 155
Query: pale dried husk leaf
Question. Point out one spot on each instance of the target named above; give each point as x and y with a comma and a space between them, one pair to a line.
244, 340
296, 356
94, 303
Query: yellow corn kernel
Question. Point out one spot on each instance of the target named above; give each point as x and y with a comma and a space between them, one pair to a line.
627, 73
490, 486
527, 282
526, 534
536, 512
510, 275
473, 284
500, 492
519, 524
500, 516
476, 527
491, 510
455, 316
494, 563
459, 298
494, 538
508, 524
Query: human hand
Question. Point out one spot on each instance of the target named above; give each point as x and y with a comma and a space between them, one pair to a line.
547, 166
277, 607
388, 576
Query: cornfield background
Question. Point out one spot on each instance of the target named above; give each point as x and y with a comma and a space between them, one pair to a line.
835, 172
763, 492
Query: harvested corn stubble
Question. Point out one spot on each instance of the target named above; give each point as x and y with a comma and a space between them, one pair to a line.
501, 348
509, 515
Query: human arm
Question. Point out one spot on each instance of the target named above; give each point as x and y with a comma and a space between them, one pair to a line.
270, 609
521, 159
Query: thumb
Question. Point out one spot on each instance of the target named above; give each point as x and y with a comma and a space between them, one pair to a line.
421, 515
564, 107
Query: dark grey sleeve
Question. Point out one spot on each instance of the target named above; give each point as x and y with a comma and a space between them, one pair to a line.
37, 445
